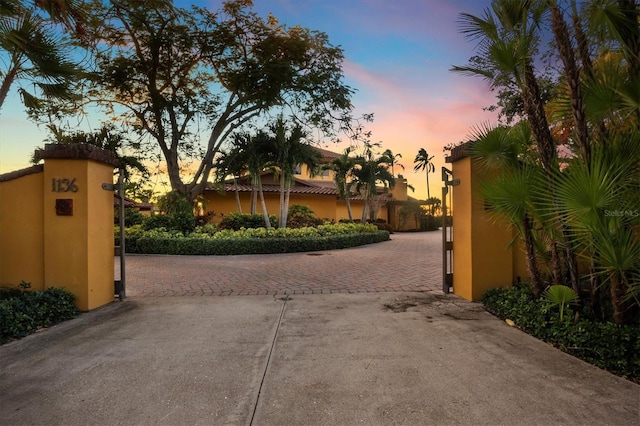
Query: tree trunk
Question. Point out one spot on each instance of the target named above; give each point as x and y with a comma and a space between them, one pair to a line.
365, 207
556, 264
622, 307
282, 217
9, 77
532, 262
265, 214
235, 187
536, 116
428, 190
572, 74
286, 206
348, 202
254, 199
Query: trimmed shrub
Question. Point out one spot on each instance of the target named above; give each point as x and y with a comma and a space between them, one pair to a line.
255, 245
300, 216
612, 347
23, 312
156, 221
237, 221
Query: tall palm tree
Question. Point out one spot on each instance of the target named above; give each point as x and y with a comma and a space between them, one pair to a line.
508, 37
342, 168
423, 163
290, 152
368, 172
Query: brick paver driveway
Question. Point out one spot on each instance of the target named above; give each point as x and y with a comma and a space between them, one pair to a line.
409, 262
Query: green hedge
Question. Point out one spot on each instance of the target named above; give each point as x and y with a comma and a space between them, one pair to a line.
234, 246
23, 312
615, 348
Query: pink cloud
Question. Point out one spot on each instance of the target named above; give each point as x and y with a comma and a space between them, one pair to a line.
410, 115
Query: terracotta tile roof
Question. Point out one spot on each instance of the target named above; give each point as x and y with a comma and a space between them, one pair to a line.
130, 204
297, 189
326, 154
22, 172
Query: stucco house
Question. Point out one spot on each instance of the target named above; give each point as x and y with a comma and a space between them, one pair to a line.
318, 192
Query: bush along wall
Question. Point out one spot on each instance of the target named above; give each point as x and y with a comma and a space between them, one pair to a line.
23, 312
249, 245
612, 347
208, 240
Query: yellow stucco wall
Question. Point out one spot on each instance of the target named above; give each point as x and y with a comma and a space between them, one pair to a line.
21, 230
77, 247
482, 258
100, 235
399, 189
324, 206
40, 245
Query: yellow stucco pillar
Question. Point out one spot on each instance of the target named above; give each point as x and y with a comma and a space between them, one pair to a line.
482, 256
78, 222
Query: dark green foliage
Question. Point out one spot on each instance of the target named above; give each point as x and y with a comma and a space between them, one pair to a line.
157, 221
302, 216
236, 221
131, 217
430, 223
184, 222
235, 246
615, 348
23, 312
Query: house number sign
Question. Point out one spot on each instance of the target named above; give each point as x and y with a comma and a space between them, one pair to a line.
64, 185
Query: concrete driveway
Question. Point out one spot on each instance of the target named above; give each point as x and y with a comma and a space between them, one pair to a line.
375, 358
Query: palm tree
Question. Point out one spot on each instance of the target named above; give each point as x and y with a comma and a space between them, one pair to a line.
34, 52
342, 168
231, 163
600, 203
392, 158
423, 162
507, 36
368, 172
434, 205
290, 152
256, 152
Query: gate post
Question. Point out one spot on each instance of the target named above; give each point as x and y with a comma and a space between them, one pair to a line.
78, 221
483, 257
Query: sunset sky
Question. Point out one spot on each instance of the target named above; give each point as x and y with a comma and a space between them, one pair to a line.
397, 57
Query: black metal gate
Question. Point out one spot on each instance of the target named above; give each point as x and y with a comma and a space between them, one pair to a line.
447, 233
119, 288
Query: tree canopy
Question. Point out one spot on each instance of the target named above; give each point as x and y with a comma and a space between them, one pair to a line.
172, 74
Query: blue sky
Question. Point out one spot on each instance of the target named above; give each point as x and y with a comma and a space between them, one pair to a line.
397, 57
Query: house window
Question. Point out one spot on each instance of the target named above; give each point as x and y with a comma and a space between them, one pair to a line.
298, 170
325, 173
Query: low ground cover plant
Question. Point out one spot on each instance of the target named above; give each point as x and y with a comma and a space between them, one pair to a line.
211, 240
22, 312
570, 327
